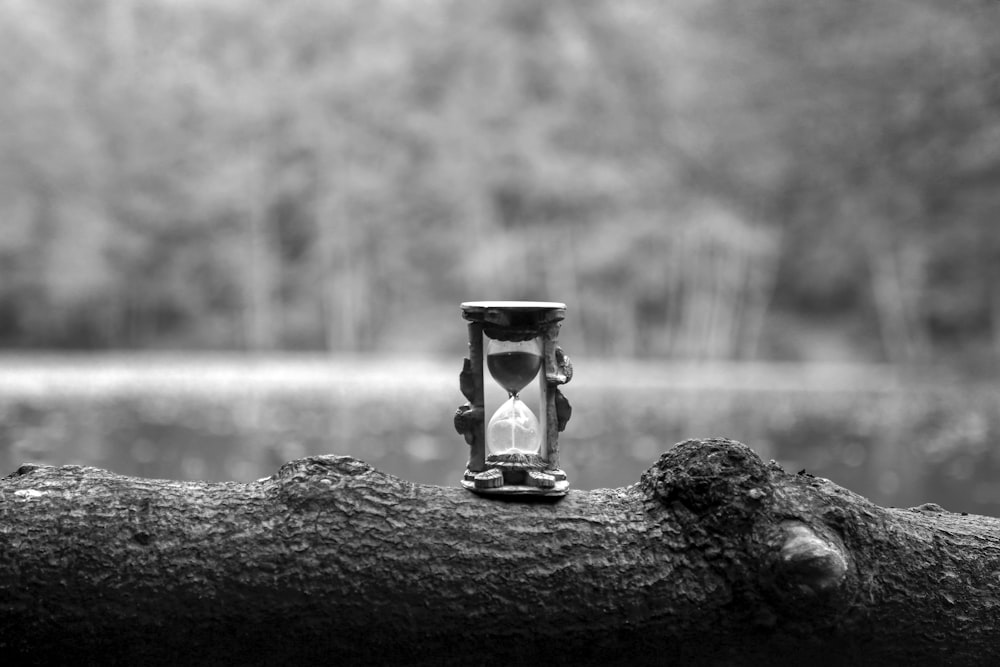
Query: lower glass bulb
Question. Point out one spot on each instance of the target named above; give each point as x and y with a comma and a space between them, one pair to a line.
513, 429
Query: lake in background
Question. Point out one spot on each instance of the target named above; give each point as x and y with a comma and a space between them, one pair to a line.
898, 437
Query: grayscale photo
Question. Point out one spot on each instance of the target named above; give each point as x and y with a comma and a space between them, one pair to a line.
511, 332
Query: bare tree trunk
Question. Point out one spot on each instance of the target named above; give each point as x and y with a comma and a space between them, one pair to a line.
562, 274
897, 281
994, 295
342, 265
258, 312
995, 322
762, 277
713, 557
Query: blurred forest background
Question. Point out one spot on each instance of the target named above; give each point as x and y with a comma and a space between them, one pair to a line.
754, 190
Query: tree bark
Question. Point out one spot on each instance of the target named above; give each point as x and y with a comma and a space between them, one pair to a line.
713, 557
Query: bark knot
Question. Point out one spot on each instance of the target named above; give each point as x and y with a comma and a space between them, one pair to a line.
27, 469
142, 538
323, 466
809, 562
718, 477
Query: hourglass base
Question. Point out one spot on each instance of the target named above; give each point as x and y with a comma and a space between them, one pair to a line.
499, 481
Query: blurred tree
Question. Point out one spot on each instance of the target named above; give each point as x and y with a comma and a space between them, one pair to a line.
879, 103
221, 174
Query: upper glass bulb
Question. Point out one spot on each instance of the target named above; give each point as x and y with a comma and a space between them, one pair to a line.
513, 364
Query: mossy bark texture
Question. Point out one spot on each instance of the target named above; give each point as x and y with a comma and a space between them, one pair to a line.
712, 557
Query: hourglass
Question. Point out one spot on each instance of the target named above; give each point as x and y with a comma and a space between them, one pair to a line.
515, 450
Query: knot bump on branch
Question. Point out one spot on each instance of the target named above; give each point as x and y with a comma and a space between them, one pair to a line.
718, 478
810, 562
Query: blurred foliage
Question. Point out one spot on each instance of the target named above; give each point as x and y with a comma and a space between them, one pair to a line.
774, 179
896, 440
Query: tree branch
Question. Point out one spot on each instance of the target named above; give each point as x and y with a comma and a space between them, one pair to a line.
712, 557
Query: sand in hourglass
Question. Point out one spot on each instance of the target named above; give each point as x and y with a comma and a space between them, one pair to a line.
513, 369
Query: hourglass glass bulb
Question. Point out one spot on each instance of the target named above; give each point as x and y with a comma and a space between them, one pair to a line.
513, 429
513, 364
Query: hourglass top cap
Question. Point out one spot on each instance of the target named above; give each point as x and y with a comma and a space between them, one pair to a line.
509, 319
514, 320
471, 306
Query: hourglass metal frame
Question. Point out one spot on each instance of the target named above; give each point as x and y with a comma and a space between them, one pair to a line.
514, 321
